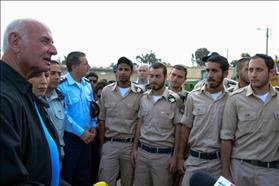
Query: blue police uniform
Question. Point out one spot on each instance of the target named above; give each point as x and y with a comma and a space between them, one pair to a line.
76, 168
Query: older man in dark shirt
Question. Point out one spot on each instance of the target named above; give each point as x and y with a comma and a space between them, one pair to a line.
28, 150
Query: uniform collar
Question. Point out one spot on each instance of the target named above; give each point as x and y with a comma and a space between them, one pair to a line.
53, 95
164, 95
9, 74
203, 89
71, 80
250, 91
132, 86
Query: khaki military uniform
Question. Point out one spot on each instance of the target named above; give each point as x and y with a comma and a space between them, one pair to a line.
157, 137
254, 128
120, 117
203, 115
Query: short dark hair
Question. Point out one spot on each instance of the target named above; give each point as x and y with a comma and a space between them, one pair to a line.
224, 64
73, 59
53, 62
267, 59
160, 65
124, 60
241, 61
181, 67
92, 74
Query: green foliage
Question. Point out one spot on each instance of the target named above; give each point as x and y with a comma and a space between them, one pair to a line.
245, 55
148, 58
199, 54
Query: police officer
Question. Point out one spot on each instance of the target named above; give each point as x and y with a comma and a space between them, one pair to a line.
156, 140
250, 129
55, 100
119, 105
79, 125
201, 122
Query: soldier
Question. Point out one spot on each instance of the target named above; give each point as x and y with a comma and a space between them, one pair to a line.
242, 73
177, 77
157, 133
119, 105
201, 122
250, 129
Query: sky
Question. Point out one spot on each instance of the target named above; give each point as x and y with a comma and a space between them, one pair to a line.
173, 30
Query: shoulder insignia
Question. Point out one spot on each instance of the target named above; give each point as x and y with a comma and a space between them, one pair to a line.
171, 98
62, 80
87, 80
139, 89
60, 94
183, 95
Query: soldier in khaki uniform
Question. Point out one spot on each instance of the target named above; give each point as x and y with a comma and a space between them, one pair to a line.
119, 106
177, 77
242, 73
250, 129
201, 122
156, 139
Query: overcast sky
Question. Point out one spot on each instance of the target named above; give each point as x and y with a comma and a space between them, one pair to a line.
107, 30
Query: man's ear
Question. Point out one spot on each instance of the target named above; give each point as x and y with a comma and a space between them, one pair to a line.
226, 73
14, 41
272, 73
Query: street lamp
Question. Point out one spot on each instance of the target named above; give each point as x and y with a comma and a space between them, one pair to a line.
266, 41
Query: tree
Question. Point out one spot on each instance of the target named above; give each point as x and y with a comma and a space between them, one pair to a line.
148, 58
199, 54
245, 55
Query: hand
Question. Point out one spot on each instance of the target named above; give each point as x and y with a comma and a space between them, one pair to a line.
227, 175
172, 164
180, 166
87, 137
133, 157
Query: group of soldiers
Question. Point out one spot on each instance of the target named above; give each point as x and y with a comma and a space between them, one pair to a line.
228, 131
150, 132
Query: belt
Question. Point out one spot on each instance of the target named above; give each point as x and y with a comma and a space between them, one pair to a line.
205, 156
155, 149
123, 140
272, 164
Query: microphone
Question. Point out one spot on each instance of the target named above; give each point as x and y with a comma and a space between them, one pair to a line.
100, 183
203, 179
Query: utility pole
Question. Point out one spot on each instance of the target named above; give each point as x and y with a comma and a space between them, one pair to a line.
267, 35
266, 44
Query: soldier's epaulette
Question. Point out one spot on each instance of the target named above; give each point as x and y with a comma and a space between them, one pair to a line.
171, 98
87, 80
60, 94
139, 88
237, 91
196, 89
183, 96
63, 80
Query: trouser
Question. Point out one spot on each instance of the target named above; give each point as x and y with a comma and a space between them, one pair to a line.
193, 164
115, 158
244, 174
152, 169
76, 167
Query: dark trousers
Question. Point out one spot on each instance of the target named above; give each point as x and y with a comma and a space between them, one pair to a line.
76, 167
